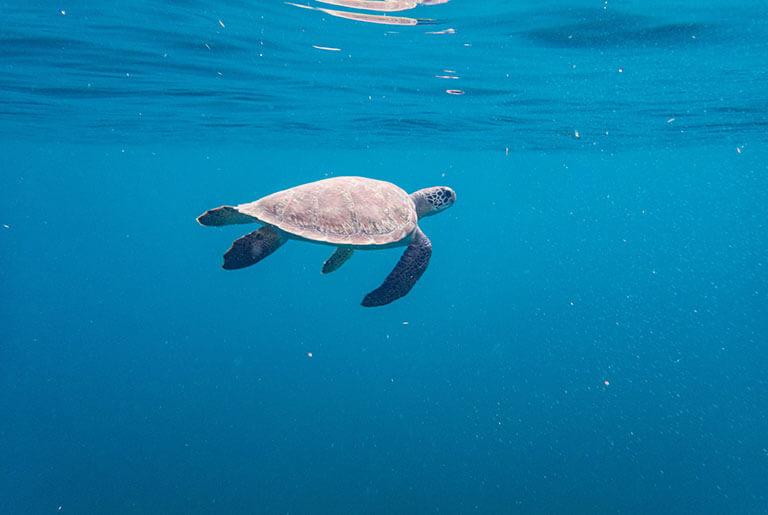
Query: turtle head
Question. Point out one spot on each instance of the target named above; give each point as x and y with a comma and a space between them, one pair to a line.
430, 201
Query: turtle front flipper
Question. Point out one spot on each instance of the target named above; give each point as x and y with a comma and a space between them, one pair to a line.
224, 215
253, 247
412, 264
338, 258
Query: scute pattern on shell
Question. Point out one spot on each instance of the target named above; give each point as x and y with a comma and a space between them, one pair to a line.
340, 210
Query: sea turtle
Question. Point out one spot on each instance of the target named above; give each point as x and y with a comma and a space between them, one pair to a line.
345, 212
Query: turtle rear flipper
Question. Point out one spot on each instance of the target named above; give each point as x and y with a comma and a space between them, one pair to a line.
253, 247
224, 215
408, 270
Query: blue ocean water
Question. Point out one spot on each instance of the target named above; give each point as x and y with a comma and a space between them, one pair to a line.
590, 336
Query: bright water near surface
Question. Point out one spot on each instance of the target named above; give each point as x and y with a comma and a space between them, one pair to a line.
590, 336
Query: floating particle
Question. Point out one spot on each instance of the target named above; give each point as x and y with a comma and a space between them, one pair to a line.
327, 48
63, 13
606, 383
454, 91
405, 323
670, 120
576, 134
309, 354
6, 226
621, 70
222, 24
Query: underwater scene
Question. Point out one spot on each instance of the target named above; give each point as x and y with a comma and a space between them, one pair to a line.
384, 256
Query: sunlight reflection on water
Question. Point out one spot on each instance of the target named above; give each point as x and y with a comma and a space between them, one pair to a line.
375, 5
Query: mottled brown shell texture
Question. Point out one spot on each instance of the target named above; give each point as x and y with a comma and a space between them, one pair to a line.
341, 210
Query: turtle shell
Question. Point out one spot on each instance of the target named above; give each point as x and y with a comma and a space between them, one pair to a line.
340, 211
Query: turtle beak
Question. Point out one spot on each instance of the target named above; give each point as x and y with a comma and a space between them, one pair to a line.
451, 196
